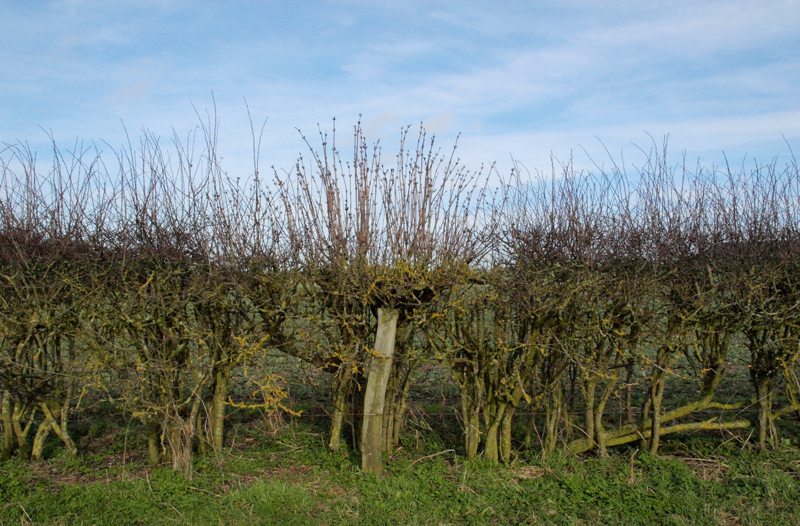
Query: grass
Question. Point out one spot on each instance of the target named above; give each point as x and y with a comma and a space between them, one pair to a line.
289, 478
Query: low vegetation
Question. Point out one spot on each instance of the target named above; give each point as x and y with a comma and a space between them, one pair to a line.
283, 473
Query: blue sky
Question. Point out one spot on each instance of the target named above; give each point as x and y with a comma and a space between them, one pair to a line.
527, 79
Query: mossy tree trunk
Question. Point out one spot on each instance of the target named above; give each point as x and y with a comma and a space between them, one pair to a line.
372, 440
340, 387
467, 373
6, 413
506, 425
491, 444
22, 416
154, 455
180, 432
656, 396
397, 393
506, 434
471, 402
398, 387
553, 412
764, 368
767, 432
58, 426
589, 388
218, 404
627, 408
652, 405
549, 375
42, 432
600, 409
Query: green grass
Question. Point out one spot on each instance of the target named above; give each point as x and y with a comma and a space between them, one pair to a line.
290, 478
279, 472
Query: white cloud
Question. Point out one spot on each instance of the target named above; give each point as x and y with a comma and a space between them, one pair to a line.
524, 78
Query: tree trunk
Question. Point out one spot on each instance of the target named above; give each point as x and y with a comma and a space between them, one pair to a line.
375, 392
181, 436
644, 419
19, 413
505, 434
552, 416
153, 431
629, 370
42, 432
491, 450
221, 382
181, 455
471, 414
399, 420
766, 425
398, 389
599, 411
633, 432
389, 408
656, 396
471, 402
616, 438
153, 446
395, 417
506, 424
60, 427
339, 385
589, 386
355, 406
8, 426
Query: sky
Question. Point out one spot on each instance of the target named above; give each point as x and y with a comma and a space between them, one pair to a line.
531, 81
